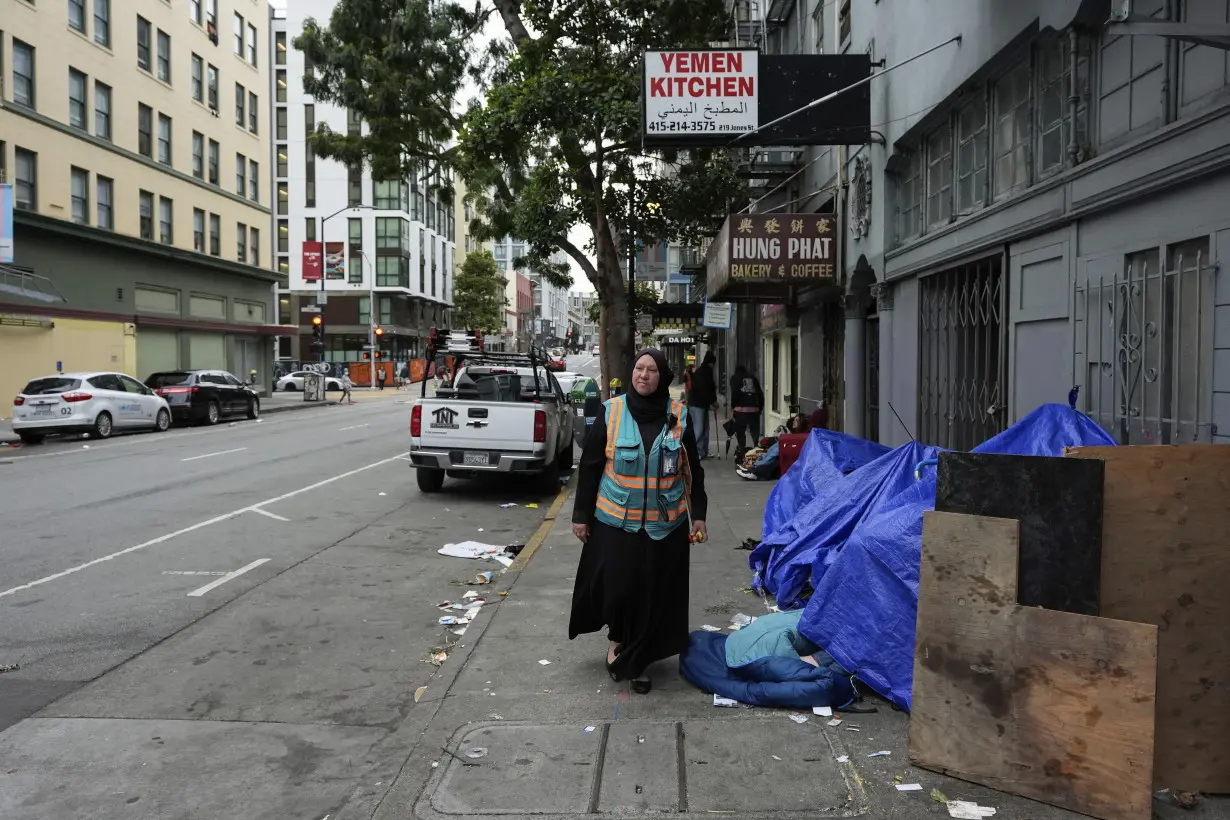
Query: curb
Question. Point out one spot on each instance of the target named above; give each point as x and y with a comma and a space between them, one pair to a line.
540, 534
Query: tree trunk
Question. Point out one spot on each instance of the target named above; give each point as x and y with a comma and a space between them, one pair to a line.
619, 336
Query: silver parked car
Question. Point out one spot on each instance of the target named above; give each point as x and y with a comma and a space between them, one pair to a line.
95, 403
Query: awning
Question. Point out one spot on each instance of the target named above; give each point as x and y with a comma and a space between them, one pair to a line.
760, 257
27, 284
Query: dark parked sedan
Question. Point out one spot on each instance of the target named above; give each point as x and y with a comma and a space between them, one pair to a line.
205, 395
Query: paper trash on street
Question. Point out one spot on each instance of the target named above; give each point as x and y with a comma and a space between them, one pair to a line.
800, 719
718, 700
963, 810
909, 787
470, 549
822, 711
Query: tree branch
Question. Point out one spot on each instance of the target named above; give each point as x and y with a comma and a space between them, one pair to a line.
591, 272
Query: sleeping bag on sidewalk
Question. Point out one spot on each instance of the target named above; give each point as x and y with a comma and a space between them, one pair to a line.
760, 666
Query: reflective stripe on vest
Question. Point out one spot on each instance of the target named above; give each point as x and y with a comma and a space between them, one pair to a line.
632, 495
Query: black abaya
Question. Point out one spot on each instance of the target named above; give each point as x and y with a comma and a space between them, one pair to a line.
633, 585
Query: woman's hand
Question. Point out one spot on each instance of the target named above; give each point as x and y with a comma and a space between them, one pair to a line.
581, 531
700, 533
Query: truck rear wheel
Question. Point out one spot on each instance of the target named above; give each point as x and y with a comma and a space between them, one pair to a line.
548, 479
430, 481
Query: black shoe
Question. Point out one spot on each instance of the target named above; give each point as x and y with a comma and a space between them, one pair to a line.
642, 687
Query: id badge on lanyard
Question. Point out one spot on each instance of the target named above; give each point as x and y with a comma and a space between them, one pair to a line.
670, 464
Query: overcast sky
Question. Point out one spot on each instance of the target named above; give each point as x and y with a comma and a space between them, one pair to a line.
580, 234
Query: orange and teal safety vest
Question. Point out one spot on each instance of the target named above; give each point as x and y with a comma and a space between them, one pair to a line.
639, 492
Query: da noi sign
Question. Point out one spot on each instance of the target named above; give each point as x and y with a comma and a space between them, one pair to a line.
691, 95
755, 254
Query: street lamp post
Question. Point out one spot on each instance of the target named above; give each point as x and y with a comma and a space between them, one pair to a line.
372, 330
320, 300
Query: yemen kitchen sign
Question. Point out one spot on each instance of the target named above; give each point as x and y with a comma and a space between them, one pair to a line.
755, 255
708, 93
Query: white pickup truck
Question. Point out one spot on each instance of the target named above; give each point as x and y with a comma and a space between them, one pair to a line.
494, 419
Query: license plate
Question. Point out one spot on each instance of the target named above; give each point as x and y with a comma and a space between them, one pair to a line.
476, 459
40, 411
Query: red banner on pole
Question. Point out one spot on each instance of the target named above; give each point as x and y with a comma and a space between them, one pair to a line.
313, 261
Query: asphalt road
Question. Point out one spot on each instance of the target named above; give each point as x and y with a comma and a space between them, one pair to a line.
251, 604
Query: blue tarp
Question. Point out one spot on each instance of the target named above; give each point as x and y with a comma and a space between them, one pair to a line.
858, 541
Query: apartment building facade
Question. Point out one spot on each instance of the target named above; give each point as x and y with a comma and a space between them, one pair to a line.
549, 320
389, 246
135, 139
1039, 209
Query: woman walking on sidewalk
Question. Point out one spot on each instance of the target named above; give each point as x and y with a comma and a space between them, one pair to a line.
639, 482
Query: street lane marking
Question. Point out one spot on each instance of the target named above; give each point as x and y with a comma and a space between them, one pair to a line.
190, 572
219, 453
268, 514
352, 427
230, 576
198, 526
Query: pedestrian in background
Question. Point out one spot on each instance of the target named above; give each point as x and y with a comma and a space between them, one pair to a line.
347, 384
638, 482
747, 403
380, 377
701, 399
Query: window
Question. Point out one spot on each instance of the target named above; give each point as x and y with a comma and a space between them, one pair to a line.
238, 34
146, 208
939, 176
971, 156
309, 156
392, 272
252, 44
80, 196
843, 24
215, 235
166, 210
194, 11
211, 13
354, 123
283, 198
255, 246
241, 174
23, 74
164, 56
253, 113
145, 130
241, 99
281, 126
284, 235
365, 310
1011, 135
214, 157
198, 78
354, 185
817, 27
1133, 93
26, 188
1054, 116
389, 234
198, 155
387, 196
76, 100
102, 110
198, 230
106, 198
211, 86
283, 163
241, 242
164, 139
354, 268
280, 85
309, 229
144, 33
279, 48
254, 188
76, 15
354, 228
910, 196
102, 22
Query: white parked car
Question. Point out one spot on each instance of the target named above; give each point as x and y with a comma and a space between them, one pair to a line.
95, 403
566, 380
294, 381
597, 350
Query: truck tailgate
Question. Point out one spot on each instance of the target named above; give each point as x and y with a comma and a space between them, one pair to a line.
477, 425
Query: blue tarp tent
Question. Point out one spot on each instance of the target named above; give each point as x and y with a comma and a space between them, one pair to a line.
864, 543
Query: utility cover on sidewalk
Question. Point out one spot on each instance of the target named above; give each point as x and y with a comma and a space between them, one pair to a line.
630, 768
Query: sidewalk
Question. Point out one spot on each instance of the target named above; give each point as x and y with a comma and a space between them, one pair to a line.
561, 739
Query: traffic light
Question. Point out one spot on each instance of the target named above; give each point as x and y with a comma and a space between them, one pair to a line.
366, 355
318, 333
378, 354
379, 332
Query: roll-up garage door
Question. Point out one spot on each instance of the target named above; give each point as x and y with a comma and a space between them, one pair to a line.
207, 351
157, 350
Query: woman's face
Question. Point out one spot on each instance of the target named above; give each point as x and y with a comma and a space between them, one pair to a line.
645, 376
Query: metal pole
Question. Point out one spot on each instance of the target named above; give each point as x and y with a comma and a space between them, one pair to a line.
371, 321
320, 300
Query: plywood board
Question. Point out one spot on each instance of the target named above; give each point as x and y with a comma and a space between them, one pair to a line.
1166, 561
1054, 706
1058, 502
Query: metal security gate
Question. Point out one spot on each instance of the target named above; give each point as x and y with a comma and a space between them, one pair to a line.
833, 363
1144, 346
871, 379
962, 355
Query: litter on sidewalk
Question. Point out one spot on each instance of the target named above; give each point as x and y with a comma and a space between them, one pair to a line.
962, 810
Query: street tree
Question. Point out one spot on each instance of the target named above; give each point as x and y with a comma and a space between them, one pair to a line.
478, 293
553, 143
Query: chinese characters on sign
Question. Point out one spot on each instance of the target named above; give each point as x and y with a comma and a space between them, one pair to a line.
701, 93
789, 248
